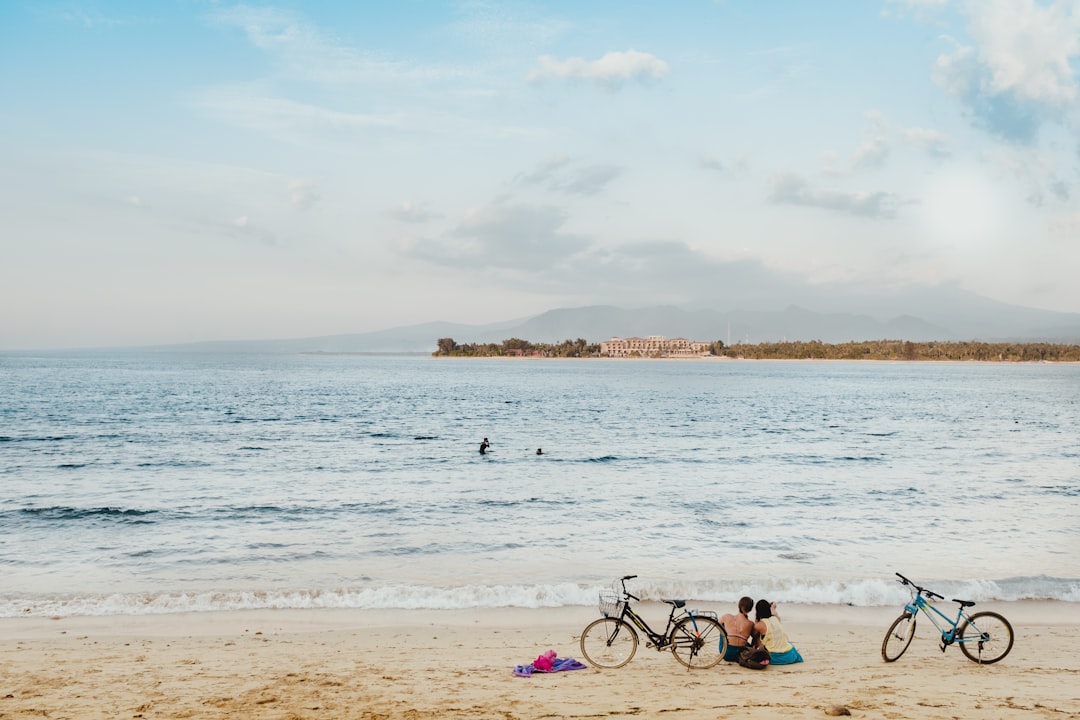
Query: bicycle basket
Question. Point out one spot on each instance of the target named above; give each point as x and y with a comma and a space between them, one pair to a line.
611, 603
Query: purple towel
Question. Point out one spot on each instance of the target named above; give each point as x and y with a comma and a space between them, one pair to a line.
559, 665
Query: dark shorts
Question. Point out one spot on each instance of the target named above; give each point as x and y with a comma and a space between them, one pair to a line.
732, 652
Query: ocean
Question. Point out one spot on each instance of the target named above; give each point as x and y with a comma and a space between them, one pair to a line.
155, 482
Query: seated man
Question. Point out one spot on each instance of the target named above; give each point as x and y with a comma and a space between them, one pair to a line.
739, 629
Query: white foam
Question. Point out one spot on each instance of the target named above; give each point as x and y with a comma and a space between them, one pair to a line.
870, 592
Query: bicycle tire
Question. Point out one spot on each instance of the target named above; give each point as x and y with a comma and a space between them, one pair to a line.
698, 642
995, 637
898, 638
608, 643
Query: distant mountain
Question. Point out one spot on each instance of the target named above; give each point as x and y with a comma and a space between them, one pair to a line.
964, 315
942, 316
919, 315
603, 322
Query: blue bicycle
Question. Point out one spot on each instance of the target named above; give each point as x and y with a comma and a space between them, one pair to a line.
984, 637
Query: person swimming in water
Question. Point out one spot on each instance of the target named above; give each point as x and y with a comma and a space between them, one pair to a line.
484, 446
539, 451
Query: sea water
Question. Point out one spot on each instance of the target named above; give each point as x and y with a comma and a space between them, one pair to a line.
165, 482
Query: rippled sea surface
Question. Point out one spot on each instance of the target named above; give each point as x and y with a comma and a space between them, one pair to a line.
140, 482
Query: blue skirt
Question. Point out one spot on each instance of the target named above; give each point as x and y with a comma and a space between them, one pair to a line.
788, 657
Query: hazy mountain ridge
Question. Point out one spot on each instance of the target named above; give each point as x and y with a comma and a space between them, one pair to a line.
920, 315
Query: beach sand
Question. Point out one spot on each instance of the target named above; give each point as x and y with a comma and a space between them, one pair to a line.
293, 664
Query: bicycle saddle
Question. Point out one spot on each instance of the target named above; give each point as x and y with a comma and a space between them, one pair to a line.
964, 603
677, 603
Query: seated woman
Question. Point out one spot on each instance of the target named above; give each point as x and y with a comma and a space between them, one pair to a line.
772, 635
739, 628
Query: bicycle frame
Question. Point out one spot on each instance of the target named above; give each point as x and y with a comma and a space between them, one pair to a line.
948, 637
658, 640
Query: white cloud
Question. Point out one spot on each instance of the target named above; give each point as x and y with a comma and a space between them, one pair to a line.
1020, 72
591, 180
877, 144
791, 189
243, 228
1037, 172
931, 142
735, 165
521, 238
303, 50
243, 108
871, 152
302, 194
609, 72
546, 172
411, 212
711, 162
562, 174
1028, 48
1064, 226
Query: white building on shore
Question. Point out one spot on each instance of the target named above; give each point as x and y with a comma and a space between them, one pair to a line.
653, 346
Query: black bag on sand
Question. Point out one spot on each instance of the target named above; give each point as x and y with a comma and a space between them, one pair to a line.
755, 658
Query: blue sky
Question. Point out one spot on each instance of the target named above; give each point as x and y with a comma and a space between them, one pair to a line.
189, 170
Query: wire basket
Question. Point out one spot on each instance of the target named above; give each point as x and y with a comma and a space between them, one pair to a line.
611, 603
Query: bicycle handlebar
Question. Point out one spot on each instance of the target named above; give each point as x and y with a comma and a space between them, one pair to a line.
922, 590
626, 592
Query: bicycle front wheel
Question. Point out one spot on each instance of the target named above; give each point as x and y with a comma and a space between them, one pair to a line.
985, 637
608, 643
698, 642
900, 634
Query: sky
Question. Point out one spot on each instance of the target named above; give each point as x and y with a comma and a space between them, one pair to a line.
190, 170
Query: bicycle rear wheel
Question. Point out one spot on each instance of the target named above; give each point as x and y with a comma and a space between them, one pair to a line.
608, 642
698, 642
985, 637
899, 637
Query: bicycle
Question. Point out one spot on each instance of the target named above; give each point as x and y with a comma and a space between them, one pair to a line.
984, 637
695, 638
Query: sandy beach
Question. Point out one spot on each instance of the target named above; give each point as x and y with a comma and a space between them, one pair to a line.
314, 664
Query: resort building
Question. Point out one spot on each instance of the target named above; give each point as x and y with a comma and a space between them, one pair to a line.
653, 346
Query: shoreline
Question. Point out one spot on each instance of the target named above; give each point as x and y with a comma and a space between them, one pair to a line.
1049, 613
335, 664
728, 358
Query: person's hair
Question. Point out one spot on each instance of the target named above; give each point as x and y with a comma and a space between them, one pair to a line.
746, 604
763, 609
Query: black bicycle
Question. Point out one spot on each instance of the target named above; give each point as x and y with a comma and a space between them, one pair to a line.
696, 638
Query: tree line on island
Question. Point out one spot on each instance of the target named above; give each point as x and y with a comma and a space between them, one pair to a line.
810, 350
517, 347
